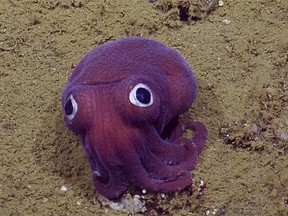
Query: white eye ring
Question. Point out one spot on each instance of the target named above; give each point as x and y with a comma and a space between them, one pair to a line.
71, 107
141, 95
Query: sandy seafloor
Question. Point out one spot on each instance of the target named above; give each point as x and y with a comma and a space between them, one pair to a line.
239, 55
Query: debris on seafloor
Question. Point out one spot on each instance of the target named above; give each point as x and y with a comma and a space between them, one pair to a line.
127, 203
188, 10
63, 188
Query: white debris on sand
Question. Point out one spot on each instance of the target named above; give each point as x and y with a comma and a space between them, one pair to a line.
226, 21
221, 3
127, 204
63, 188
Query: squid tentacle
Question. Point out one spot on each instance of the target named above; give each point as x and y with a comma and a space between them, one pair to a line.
109, 178
141, 178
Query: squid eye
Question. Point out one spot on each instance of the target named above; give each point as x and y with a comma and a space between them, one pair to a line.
71, 107
141, 95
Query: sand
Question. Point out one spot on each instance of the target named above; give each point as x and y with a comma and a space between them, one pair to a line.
239, 55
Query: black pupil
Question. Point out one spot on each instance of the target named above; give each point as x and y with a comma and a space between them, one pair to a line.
68, 107
143, 95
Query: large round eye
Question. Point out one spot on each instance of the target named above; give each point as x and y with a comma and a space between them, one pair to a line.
141, 95
71, 107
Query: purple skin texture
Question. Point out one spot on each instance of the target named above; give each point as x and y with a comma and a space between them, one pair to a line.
123, 101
